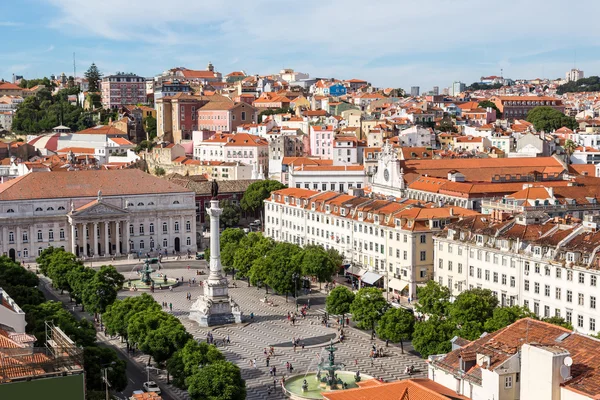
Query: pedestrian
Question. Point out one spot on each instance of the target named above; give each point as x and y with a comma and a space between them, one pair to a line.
308, 303
274, 371
287, 366
268, 360
171, 306
265, 351
294, 347
228, 340
291, 368
251, 316
302, 346
271, 371
254, 363
356, 362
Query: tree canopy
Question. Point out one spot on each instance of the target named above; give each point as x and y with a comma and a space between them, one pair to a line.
433, 336
339, 300
368, 307
590, 84
230, 244
396, 325
548, 119
487, 103
93, 76
434, 299
218, 381
257, 192
231, 214
483, 86
315, 261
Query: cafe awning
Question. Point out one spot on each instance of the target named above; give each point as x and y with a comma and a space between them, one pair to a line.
397, 284
370, 278
355, 270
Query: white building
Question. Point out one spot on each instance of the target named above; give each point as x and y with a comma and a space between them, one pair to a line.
574, 75
529, 359
242, 147
417, 136
345, 150
96, 213
392, 240
549, 267
337, 178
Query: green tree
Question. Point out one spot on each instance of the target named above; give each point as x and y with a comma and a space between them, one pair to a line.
558, 321
396, 325
93, 76
257, 192
368, 307
79, 278
470, 311
281, 266
119, 314
231, 214
221, 380
433, 336
589, 84
569, 147
252, 247
97, 358
102, 289
487, 103
548, 119
339, 300
176, 368
159, 171
150, 126
19, 283
60, 263
434, 299
230, 243
81, 332
504, 316
315, 261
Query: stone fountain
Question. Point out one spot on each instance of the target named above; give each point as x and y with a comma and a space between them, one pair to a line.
330, 381
146, 278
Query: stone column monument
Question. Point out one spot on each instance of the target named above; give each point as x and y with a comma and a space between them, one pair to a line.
215, 307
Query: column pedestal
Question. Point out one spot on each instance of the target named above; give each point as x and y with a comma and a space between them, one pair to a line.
215, 307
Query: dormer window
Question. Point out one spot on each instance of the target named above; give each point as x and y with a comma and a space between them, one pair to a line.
176, 202
10, 210
360, 214
480, 239
435, 223
50, 209
537, 250
61, 208
140, 204
39, 209
343, 212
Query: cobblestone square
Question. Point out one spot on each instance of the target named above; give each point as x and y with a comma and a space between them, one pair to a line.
270, 327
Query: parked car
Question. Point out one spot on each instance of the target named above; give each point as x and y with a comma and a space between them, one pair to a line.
200, 255
151, 386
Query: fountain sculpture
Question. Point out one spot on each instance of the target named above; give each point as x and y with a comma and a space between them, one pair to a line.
331, 380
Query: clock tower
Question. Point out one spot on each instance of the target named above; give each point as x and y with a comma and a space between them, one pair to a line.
389, 178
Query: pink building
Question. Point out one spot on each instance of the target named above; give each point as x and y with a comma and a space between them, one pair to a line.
225, 116
321, 141
122, 89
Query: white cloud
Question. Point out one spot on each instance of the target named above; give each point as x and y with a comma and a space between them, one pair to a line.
267, 33
49, 49
10, 23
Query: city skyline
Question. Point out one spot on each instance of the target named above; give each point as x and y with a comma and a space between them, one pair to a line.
425, 45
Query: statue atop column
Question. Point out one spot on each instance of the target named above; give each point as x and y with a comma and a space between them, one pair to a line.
214, 189
215, 306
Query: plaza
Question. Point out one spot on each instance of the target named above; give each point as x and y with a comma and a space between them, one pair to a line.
270, 327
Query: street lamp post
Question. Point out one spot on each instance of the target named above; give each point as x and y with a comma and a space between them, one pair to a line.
104, 372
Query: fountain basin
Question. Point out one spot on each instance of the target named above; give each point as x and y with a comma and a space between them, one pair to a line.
293, 385
159, 281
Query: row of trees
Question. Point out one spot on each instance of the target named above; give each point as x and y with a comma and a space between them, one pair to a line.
473, 312
590, 84
198, 367
275, 264
140, 321
22, 286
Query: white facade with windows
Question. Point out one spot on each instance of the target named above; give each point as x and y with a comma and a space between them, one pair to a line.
129, 218
390, 238
327, 177
551, 268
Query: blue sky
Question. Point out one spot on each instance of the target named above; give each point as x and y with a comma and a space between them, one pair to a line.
387, 42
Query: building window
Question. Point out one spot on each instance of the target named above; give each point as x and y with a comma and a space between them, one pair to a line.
536, 287
165, 227
423, 238
25, 252
188, 241
508, 382
581, 277
40, 236
141, 244
569, 296
188, 226
593, 280
61, 234
580, 321
593, 324
151, 228
423, 256
526, 285
558, 293
593, 302
547, 290
141, 229
11, 237
569, 316
25, 237
50, 235
176, 226
165, 243
131, 229
580, 299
